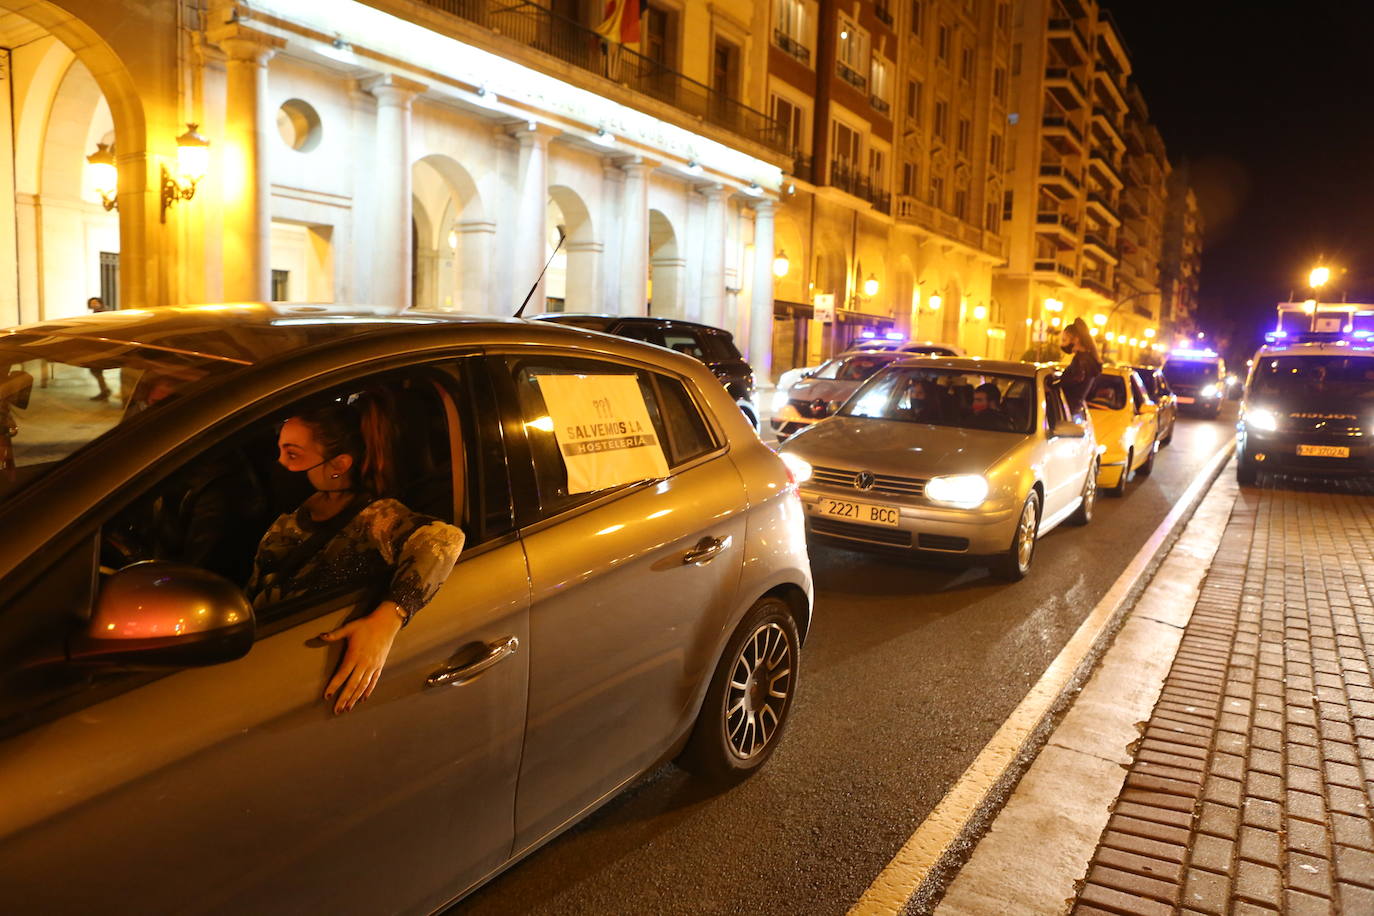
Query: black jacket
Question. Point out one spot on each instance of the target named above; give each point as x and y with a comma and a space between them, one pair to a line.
1077, 379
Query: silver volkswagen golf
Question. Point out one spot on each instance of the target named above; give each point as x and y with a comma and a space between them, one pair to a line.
165, 746
954, 456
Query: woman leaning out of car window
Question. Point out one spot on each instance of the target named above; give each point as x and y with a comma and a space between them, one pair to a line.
1083, 368
350, 534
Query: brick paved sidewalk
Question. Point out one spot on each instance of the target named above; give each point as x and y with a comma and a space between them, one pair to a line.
1250, 788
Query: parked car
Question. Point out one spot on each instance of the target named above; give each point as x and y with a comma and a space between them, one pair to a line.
1157, 387
712, 346
1126, 422
865, 345
165, 746
1306, 410
820, 394
1198, 380
906, 464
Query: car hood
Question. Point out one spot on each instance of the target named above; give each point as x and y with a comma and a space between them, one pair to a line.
825, 389
901, 449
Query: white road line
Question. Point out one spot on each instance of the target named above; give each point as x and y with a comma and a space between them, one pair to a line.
913, 863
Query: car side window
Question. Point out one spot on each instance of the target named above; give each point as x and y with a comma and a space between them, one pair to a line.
718, 346
689, 436
683, 341
634, 330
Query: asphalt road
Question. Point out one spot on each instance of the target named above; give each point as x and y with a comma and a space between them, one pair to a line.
906, 674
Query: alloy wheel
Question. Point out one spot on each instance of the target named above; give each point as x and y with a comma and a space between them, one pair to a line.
1025, 535
760, 681
1090, 493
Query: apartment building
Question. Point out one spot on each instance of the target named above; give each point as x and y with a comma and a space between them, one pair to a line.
1181, 262
894, 118
1085, 207
400, 153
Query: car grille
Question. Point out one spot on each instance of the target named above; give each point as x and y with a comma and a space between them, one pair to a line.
810, 409
882, 483
893, 536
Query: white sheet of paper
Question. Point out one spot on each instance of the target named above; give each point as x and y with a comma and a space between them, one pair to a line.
603, 431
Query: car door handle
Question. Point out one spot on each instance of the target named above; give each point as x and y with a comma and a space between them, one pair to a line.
705, 551
459, 675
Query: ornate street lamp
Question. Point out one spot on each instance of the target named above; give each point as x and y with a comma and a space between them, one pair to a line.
193, 161
104, 175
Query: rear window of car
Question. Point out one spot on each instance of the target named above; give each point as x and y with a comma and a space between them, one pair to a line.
1109, 393
719, 346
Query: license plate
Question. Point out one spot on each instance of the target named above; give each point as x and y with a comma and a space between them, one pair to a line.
864, 513
1323, 451
1183, 400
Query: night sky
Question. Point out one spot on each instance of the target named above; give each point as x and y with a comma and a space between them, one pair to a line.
1272, 104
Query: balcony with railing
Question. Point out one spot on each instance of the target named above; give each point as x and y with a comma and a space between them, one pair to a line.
573, 43
1065, 86
1060, 180
1060, 228
1097, 284
1059, 271
1102, 204
1104, 248
1059, 127
852, 181
791, 46
1099, 163
1068, 39
851, 76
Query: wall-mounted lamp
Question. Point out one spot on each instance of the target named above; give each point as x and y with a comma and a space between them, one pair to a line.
1100, 319
980, 312
934, 302
193, 161
453, 240
871, 286
1149, 332
104, 175
781, 265
1054, 305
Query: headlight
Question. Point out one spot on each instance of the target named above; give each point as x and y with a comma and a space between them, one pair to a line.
1210, 391
798, 467
964, 490
1261, 419
779, 399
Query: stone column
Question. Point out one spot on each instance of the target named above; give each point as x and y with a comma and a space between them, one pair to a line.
713, 256
391, 252
761, 306
634, 248
531, 216
612, 215
247, 238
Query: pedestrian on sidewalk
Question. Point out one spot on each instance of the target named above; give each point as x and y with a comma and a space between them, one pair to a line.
96, 304
1084, 367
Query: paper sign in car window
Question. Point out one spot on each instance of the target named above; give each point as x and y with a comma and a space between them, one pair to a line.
603, 431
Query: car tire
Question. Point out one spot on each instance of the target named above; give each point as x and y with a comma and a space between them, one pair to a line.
1013, 565
738, 728
1119, 490
1247, 473
1149, 465
1084, 513
1169, 438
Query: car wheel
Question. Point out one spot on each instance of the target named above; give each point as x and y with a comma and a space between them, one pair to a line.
1169, 438
1016, 562
1247, 474
1149, 465
1084, 513
1120, 489
746, 706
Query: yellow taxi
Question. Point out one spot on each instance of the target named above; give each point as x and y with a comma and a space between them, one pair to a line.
1126, 421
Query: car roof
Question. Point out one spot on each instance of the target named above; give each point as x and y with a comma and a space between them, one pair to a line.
253, 333
632, 319
1320, 348
972, 364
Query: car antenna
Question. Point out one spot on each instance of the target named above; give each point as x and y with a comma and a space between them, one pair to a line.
561, 236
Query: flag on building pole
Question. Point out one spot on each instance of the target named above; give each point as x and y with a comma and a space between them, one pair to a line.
621, 22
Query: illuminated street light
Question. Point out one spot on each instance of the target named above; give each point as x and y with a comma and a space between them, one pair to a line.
1200, 335
1149, 333
1100, 319
1318, 277
1309, 307
1055, 321
1054, 305
193, 161
103, 175
781, 265
1111, 337
1094, 331
980, 312
871, 286
934, 302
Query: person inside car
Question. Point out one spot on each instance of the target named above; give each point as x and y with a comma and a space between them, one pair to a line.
986, 412
350, 534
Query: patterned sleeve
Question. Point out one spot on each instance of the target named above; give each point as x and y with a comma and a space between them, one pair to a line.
270, 549
422, 551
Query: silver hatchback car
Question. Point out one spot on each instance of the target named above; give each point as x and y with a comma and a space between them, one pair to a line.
953, 456
165, 746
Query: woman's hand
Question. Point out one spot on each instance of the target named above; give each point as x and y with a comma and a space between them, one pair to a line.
369, 642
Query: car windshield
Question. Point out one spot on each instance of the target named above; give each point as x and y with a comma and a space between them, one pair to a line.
1326, 379
1191, 372
1150, 381
59, 394
852, 368
947, 397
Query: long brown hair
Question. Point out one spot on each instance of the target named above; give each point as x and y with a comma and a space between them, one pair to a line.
1078, 330
362, 429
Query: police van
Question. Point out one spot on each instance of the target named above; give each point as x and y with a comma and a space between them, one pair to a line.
1198, 378
1308, 409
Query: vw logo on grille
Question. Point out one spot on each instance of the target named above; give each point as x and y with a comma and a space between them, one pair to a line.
864, 480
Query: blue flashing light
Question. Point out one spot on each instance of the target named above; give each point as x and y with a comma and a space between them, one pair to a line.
1362, 335
1192, 353
867, 335
895, 335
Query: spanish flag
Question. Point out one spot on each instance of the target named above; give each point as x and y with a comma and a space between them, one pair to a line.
621, 22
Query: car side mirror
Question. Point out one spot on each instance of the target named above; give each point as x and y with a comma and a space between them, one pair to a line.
1067, 430
165, 615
